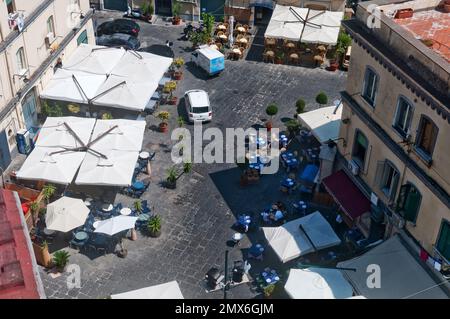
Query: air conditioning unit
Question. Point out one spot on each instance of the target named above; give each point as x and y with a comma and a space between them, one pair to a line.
49, 39
353, 167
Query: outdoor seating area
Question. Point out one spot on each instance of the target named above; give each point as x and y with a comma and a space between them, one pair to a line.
301, 36
236, 38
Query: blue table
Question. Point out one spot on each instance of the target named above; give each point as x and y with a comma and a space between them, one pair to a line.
138, 185
244, 220
288, 182
270, 277
81, 236
256, 250
309, 173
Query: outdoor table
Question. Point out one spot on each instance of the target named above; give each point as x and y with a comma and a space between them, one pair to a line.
241, 29
270, 276
48, 232
244, 220
143, 217
81, 236
144, 155
95, 224
285, 156
236, 51
107, 207
125, 211
288, 182
292, 162
290, 45
221, 27
223, 37
243, 40
256, 250
138, 185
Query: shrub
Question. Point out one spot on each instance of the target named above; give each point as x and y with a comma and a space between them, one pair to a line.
172, 175
187, 167
61, 259
300, 105
272, 109
138, 206
154, 224
322, 98
293, 126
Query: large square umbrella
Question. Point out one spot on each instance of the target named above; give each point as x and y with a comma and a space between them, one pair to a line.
66, 214
116, 225
317, 283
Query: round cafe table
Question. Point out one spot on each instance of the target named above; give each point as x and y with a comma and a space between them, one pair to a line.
95, 224
144, 155
125, 211
81, 236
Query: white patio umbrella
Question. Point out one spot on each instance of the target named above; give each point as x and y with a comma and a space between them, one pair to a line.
66, 214
317, 283
168, 290
116, 225
127, 136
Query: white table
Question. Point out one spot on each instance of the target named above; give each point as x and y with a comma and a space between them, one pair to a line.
107, 208
144, 155
95, 224
125, 211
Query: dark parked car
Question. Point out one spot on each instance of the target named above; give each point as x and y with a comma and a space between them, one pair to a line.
119, 40
119, 26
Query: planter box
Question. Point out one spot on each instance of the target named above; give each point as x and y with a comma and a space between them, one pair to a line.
404, 13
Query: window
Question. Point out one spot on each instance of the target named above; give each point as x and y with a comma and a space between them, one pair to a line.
51, 25
389, 180
408, 202
403, 116
83, 38
370, 86
360, 146
20, 58
10, 6
426, 138
443, 243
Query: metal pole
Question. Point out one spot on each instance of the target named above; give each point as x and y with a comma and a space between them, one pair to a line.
225, 288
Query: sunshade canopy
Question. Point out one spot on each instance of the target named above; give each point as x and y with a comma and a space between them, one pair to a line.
289, 241
402, 275
66, 214
324, 123
169, 290
346, 194
317, 283
305, 25
115, 225
109, 77
104, 152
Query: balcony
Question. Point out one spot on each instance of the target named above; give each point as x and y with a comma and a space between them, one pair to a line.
16, 21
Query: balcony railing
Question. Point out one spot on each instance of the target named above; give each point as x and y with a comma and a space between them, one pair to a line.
16, 21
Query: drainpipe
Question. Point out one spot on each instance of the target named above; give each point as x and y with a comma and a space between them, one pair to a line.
102, 5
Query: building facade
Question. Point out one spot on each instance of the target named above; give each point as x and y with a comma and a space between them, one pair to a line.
396, 119
34, 37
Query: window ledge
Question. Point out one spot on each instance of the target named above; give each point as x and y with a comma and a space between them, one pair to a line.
426, 158
399, 132
368, 102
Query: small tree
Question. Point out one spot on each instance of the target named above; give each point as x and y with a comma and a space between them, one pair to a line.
322, 98
48, 191
164, 116
208, 22
154, 225
272, 110
300, 106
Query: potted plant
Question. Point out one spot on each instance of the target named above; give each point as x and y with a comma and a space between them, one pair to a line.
268, 290
154, 226
60, 260
178, 74
147, 10
172, 176
169, 88
271, 110
48, 191
34, 207
300, 107
279, 57
334, 61
107, 116
176, 9
187, 167
137, 205
293, 127
322, 98
42, 254
164, 117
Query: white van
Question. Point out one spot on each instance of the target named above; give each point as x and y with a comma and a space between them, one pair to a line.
198, 107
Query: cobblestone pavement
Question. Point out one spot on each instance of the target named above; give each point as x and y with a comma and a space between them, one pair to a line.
197, 216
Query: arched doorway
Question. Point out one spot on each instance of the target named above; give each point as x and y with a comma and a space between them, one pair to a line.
29, 110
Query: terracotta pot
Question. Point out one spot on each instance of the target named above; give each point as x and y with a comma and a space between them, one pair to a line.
163, 127
176, 20
334, 65
178, 75
269, 125
173, 100
133, 235
278, 61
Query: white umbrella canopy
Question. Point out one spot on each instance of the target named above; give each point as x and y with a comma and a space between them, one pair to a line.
63, 87
94, 59
317, 283
284, 24
169, 290
55, 133
116, 225
117, 170
127, 136
66, 214
57, 168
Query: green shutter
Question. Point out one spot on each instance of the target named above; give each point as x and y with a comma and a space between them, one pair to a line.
402, 197
412, 203
8, 2
362, 140
83, 38
443, 244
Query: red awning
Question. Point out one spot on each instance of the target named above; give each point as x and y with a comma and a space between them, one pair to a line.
346, 194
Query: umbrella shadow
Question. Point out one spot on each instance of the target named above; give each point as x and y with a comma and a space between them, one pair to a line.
159, 49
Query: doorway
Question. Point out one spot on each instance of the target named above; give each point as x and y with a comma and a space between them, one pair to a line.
29, 109
5, 155
163, 7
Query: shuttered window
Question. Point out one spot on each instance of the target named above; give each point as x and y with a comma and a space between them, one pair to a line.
83, 38
443, 243
408, 202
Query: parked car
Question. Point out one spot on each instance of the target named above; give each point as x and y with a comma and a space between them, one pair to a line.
119, 26
198, 107
119, 39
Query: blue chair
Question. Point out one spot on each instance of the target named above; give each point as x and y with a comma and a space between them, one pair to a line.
145, 208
